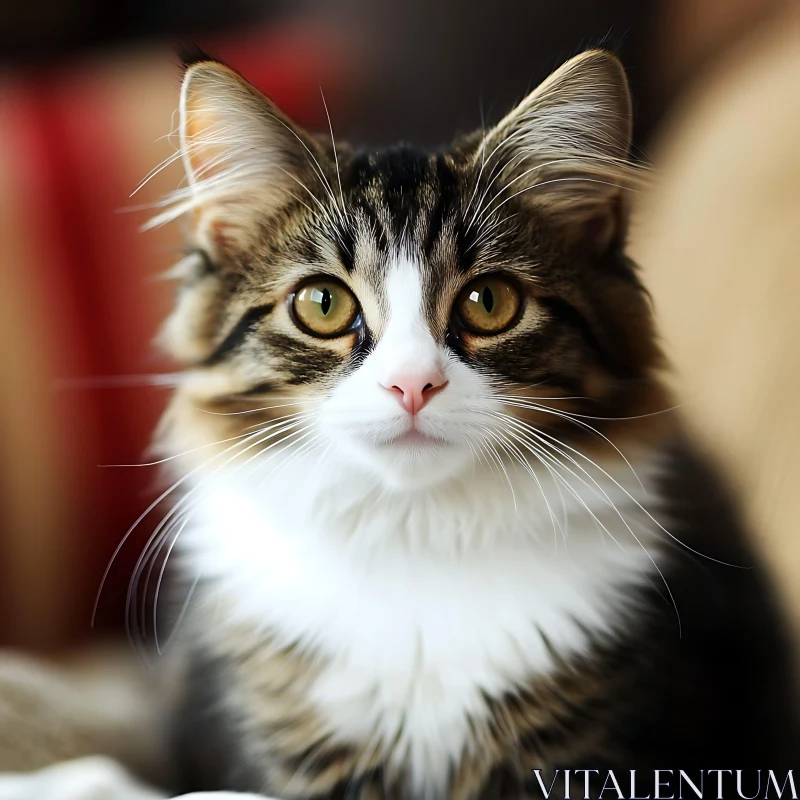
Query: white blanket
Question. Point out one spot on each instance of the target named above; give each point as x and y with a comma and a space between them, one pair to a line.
91, 778
80, 729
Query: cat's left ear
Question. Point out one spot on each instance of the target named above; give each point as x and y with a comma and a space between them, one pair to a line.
564, 149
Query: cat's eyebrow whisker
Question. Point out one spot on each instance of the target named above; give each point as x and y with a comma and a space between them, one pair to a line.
305, 205
579, 159
500, 164
332, 223
487, 210
497, 170
486, 234
335, 154
566, 180
316, 165
500, 168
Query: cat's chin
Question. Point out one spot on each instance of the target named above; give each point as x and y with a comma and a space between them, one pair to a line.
413, 461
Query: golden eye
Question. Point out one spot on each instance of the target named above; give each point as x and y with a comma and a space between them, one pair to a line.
324, 307
488, 305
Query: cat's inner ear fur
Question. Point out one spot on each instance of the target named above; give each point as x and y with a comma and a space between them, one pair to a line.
565, 147
244, 160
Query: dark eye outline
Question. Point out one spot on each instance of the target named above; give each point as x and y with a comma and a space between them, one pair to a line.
461, 326
352, 326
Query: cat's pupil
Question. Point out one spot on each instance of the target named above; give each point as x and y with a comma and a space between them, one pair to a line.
488, 299
325, 302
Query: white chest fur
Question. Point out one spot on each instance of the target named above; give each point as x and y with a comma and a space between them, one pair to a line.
418, 606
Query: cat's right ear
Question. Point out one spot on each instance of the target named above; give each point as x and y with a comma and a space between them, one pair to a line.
564, 149
244, 160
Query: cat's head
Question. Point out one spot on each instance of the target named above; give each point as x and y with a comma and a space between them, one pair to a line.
409, 312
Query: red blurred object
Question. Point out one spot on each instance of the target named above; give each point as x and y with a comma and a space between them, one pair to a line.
73, 154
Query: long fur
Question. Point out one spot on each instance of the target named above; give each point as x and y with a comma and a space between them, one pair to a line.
545, 575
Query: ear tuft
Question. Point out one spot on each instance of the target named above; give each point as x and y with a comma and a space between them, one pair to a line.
190, 54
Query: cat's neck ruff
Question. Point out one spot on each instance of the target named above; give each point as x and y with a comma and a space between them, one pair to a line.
422, 604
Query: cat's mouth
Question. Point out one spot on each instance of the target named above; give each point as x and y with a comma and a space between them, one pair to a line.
414, 438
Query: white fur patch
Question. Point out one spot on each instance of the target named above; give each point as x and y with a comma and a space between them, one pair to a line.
420, 605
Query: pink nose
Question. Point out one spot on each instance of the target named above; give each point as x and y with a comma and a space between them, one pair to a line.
415, 389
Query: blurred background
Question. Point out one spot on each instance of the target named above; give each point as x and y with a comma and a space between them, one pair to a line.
87, 94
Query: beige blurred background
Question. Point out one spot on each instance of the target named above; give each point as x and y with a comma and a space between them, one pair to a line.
87, 97
719, 240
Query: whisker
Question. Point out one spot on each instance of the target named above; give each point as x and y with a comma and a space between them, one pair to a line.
260, 410
182, 613
521, 398
139, 519
333, 146
190, 512
185, 452
541, 454
168, 379
154, 504
569, 417
543, 435
555, 443
172, 518
527, 467
493, 452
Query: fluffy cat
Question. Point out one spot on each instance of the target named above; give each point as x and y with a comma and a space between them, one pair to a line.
440, 525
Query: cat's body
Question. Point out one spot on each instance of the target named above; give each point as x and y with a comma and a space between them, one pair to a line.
441, 527
496, 663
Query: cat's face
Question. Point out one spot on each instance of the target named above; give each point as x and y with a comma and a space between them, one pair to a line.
411, 313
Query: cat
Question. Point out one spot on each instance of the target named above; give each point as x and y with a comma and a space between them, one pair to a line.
441, 525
